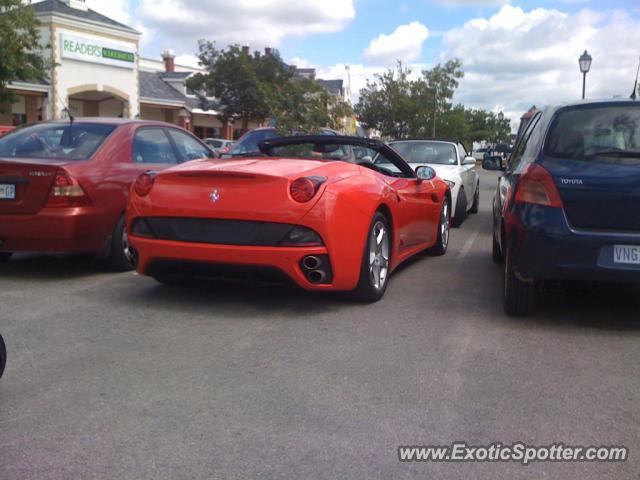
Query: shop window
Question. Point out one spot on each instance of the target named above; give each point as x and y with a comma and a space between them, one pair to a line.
18, 119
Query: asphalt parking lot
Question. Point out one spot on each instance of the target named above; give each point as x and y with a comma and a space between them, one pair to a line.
115, 376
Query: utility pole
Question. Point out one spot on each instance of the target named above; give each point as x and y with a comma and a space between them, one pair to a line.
435, 106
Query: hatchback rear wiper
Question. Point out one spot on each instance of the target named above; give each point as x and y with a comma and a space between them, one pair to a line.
619, 153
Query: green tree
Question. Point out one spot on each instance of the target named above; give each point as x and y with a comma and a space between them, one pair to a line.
303, 104
20, 49
244, 83
385, 104
440, 85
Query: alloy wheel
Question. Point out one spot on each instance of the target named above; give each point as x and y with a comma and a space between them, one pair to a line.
444, 224
379, 255
128, 249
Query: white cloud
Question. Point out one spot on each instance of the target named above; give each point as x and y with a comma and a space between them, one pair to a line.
119, 10
473, 3
257, 23
517, 58
404, 44
187, 60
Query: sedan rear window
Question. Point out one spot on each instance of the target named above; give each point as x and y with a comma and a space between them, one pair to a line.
606, 134
55, 141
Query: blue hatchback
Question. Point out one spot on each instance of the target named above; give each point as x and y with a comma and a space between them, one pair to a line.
567, 206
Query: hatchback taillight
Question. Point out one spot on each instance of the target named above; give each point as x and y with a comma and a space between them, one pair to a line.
536, 186
66, 192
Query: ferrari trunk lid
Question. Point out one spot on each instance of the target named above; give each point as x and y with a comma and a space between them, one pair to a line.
248, 189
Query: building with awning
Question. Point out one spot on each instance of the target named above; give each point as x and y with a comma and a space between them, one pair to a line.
96, 71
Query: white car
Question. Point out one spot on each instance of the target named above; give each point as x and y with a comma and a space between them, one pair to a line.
219, 145
453, 164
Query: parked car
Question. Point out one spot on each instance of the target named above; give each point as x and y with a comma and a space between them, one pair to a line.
3, 356
5, 129
219, 145
64, 185
249, 143
452, 164
481, 153
566, 206
301, 210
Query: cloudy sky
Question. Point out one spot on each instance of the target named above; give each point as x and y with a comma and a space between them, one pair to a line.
515, 53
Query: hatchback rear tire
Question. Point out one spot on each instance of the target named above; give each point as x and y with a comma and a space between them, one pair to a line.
518, 294
3, 355
496, 252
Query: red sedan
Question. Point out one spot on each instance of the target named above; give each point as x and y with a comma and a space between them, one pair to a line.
64, 185
5, 129
303, 209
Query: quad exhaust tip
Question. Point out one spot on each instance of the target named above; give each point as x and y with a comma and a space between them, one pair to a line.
311, 262
317, 276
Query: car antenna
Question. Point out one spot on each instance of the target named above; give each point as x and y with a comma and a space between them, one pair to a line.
635, 84
66, 109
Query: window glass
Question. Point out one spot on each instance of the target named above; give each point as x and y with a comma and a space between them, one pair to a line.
516, 157
188, 147
55, 141
463, 152
315, 152
439, 153
601, 134
248, 144
151, 145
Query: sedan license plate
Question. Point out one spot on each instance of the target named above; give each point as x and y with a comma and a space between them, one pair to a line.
7, 191
627, 254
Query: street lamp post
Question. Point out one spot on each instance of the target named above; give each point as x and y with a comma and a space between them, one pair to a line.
585, 65
500, 120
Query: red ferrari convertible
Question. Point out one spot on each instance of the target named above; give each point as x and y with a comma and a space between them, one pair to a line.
303, 209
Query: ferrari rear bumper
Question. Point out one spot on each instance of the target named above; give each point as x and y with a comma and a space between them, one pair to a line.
164, 257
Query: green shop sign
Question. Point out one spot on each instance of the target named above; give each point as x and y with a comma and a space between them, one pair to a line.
97, 51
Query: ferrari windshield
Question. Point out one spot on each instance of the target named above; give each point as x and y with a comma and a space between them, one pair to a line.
56, 141
438, 153
313, 151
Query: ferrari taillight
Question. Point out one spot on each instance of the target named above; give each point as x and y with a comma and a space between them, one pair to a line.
536, 186
66, 192
144, 183
304, 189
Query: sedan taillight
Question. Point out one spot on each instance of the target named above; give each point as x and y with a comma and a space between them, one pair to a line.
66, 192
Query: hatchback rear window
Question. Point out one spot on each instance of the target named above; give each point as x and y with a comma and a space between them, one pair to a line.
56, 141
607, 134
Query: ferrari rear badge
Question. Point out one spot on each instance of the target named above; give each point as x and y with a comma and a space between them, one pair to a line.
214, 196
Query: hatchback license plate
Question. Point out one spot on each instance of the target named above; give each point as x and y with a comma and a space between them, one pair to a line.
7, 191
628, 254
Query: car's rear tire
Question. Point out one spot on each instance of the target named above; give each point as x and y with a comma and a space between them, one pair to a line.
5, 256
518, 294
3, 355
476, 200
442, 243
461, 209
122, 256
496, 252
374, 269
